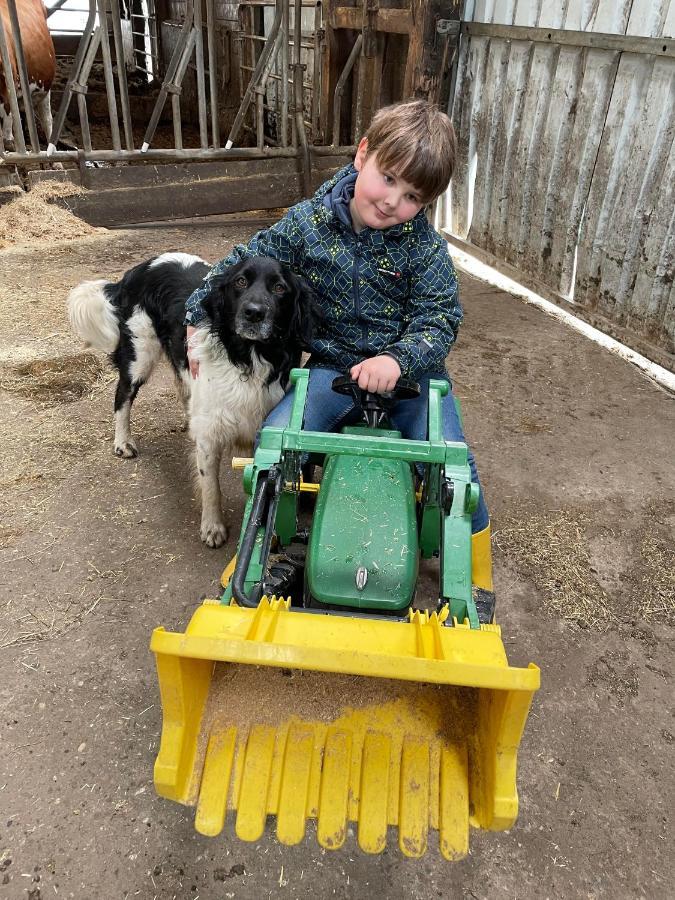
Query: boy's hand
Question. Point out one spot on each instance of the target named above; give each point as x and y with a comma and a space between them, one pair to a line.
192, 339
377, 375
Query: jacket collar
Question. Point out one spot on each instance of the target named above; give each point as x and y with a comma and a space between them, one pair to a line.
337, 200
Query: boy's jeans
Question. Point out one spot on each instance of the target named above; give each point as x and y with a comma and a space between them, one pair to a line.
327, 411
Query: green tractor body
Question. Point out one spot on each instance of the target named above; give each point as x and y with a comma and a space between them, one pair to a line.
363, 546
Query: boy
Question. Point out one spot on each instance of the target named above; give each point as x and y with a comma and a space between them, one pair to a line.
384, 280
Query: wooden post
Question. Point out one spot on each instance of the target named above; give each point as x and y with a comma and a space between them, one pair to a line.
328, 79
368, 87
430, 28
428, 50
338, 44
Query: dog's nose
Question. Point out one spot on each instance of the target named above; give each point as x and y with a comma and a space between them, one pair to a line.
254, 312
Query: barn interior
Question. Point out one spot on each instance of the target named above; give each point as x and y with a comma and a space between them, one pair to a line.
168, 82
565, 180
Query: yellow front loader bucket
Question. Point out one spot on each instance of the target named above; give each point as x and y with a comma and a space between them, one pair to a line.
273, 712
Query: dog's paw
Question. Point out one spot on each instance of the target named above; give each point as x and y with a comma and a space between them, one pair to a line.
127, 450
214, 534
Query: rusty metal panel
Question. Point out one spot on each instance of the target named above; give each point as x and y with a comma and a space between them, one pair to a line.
566, 168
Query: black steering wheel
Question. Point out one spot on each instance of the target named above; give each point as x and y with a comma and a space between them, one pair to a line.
375, 406
404, 389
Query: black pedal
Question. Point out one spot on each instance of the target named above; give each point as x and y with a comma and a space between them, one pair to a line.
485, 602
282, 579
296, 552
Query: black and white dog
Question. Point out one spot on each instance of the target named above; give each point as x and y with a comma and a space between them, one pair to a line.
260, 317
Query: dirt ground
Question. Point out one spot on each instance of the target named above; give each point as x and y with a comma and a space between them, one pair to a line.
575, 449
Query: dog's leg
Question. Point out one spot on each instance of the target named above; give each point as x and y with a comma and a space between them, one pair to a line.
125, 446
213, 529
137, 355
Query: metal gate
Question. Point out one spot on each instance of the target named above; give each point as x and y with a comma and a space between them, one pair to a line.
567, 171
237, 105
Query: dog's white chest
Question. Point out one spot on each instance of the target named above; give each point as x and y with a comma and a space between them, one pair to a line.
231, 402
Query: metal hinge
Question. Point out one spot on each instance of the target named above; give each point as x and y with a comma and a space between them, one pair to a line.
448, 26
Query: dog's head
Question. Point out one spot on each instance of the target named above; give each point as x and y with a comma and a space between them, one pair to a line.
261, 301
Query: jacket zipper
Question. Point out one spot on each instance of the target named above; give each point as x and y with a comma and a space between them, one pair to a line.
357, 296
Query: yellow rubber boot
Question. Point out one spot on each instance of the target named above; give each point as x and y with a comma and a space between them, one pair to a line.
228, 571
481, 560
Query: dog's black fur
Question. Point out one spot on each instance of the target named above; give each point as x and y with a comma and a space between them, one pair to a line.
261, 293
160, 290
257, 304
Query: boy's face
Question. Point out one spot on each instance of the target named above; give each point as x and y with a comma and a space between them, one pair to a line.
381, 198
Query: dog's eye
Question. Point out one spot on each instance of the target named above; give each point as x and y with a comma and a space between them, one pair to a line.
241, 282
279, 288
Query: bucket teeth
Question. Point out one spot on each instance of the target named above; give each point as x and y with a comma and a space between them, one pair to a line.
454, 803
358, 777
334, 797
414, 807
374, 797
295, 784
252, 806
212, 805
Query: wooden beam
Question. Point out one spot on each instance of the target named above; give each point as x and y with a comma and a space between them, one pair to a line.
155, 193
427, 51
334, 57
392, 21
624, 43
369, 86
415, 48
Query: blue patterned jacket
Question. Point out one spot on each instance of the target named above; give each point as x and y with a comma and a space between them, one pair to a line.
390, 291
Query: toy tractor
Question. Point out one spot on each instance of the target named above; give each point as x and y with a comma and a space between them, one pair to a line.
317, 686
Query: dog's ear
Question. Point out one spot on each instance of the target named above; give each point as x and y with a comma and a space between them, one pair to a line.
306, 317
219, 291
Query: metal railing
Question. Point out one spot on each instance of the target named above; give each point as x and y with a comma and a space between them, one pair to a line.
274, 80
281, 88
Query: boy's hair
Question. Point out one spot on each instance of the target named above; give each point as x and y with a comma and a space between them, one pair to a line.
415, 140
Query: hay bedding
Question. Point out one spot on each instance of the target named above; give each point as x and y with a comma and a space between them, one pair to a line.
34, 217
61, 379
44, 367
552, 552
655, 588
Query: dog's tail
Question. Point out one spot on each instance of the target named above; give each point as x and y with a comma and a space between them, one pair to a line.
92, 315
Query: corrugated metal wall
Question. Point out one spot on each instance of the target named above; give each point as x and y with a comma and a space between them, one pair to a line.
567, 168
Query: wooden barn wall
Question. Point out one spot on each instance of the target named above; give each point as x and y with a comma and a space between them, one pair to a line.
566, 166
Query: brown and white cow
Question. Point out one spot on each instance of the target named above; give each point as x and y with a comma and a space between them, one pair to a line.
38, 49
